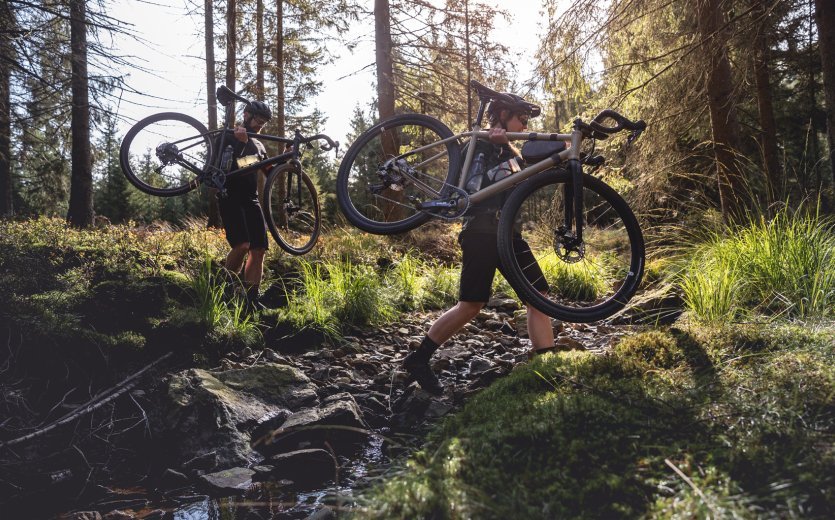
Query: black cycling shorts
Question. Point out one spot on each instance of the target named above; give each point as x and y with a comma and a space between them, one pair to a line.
480, 261
243, 221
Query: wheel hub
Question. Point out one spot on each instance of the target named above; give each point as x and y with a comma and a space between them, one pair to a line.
568, 247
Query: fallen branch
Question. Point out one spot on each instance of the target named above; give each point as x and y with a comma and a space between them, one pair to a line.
95, 403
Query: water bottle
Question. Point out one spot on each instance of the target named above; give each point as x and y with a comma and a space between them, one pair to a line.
476, 174
226, 158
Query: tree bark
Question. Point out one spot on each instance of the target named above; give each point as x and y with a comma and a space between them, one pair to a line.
81, 184
385, 97
6, 56
723, 119
762, 79
825, 18
211, 87
259, 49
231, 43
385, 69
280, 124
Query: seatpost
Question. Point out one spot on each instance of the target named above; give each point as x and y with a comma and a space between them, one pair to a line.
468, 159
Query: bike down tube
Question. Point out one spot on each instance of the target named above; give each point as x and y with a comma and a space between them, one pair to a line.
564, 156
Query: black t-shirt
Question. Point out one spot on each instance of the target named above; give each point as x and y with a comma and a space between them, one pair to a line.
243, 186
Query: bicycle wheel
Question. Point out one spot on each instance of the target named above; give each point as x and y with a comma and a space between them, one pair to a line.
291, 209
164, 154
387, 171
587, 281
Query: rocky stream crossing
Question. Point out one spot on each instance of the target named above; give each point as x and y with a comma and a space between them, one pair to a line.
293, 430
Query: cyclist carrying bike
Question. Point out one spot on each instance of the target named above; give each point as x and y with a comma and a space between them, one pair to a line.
480, 258
240, 209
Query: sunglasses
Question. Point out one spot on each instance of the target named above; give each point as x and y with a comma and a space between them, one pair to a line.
523, 119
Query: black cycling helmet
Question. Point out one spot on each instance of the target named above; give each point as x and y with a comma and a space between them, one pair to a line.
514, 104
259, 108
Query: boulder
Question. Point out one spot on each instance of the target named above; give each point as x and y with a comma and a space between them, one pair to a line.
235, 481
337, 421
205, 409
308, 468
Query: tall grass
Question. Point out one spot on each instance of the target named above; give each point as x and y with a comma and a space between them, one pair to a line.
334, 293
226, 318
784, 266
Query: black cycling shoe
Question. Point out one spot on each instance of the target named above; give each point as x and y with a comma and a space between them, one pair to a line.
420, 371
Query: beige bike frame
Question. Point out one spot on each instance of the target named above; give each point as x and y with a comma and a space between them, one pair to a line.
575, 138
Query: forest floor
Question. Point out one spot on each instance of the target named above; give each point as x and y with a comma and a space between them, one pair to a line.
126, 395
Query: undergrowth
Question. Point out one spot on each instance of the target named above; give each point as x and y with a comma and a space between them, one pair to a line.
682, 423
778, 267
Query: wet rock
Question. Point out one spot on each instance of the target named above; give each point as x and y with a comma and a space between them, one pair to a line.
172, 479
82, 515
235, 481
204, 462
438, 409
323, 513
337, 421
479, 365
118, 515
410, 407
567, 343
505, 304
520, 322
218, 408
306, 468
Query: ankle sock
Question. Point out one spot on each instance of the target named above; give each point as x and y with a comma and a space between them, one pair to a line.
425, 350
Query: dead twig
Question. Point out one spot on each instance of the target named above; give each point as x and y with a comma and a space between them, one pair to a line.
95, 403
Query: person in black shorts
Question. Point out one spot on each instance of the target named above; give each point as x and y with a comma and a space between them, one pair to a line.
240, 210
479, 250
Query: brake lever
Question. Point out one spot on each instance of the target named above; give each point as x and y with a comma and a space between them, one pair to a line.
633, 136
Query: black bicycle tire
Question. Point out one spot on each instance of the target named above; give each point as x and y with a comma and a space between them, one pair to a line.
343, 198
523, 287
124, 153
274, 231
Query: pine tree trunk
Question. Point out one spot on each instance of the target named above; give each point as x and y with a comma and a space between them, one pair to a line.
825, 18
723, 119
6, 56
280, 117
280, 123
768, 138
385, 96
211, 87
259, 50
385, 69
81, 185
231, 43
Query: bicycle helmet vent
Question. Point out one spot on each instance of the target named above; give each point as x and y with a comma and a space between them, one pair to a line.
259, 108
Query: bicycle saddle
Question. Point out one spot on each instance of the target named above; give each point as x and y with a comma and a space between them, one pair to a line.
225, 96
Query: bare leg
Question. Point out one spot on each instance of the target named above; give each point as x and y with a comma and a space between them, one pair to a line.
254, 267
539, 329
235, 258
452, 320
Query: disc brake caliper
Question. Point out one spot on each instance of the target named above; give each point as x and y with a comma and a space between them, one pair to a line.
567, 246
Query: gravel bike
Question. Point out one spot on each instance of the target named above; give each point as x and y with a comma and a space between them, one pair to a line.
171, 154
411, 168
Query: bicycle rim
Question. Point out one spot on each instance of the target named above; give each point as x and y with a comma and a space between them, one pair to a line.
164, 154
292, 214
586, 282
384, 174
